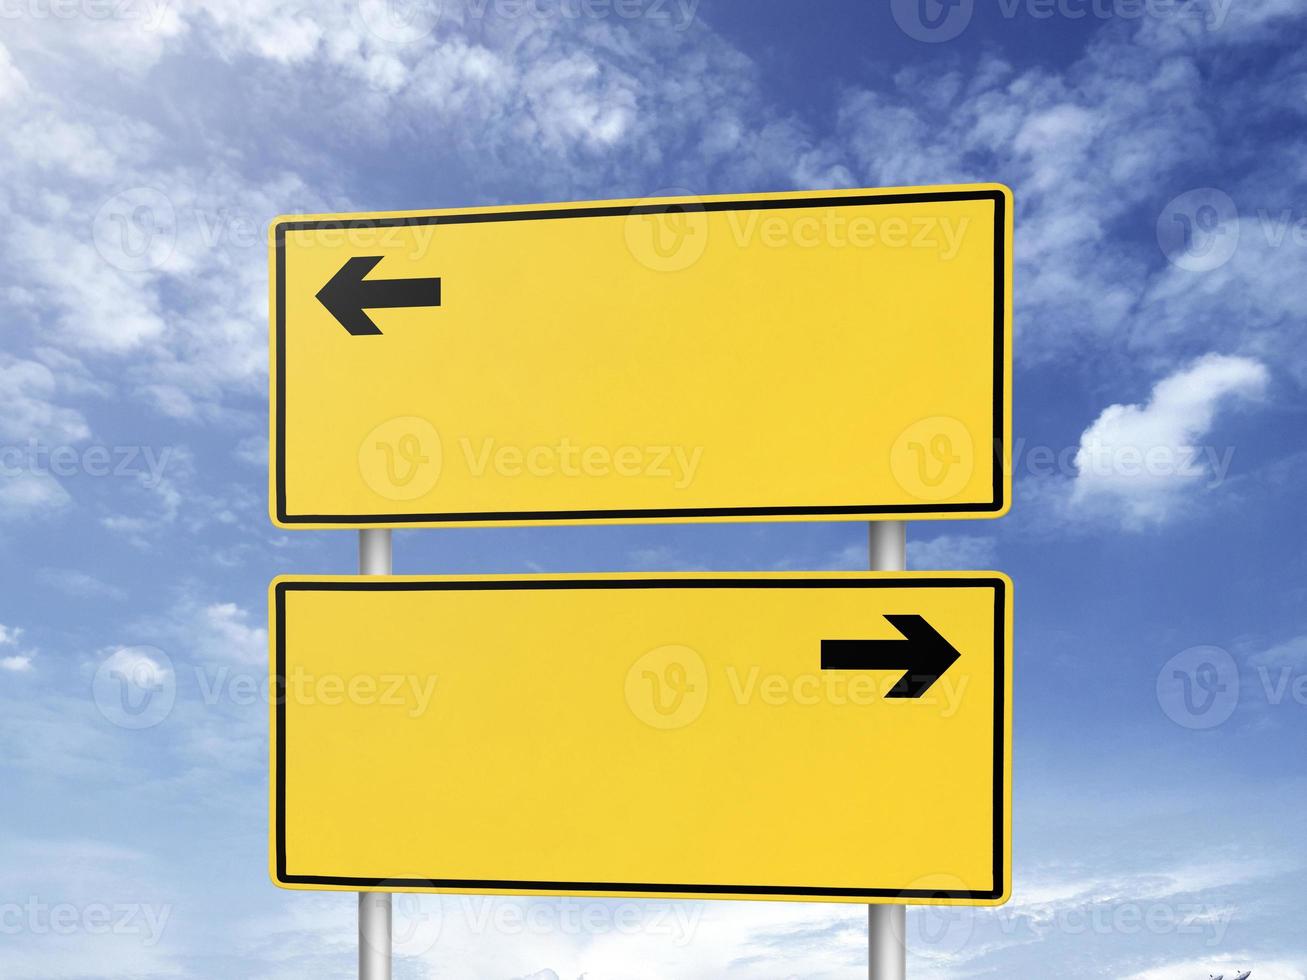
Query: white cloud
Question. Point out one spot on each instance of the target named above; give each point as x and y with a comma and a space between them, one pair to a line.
252, 450
1084, 147
1253, 302
578, 101
1047, 892
539, 111
213, 633
1227, 965
662, 557
1093, 151
1290, 653
145, 671
229, 635
1136, 461
18, 662
28, 390
12, 82
602, 939
25, 495
851, 556
940, 552
115, 911
78, 583
952, 551
147, 256
541, 107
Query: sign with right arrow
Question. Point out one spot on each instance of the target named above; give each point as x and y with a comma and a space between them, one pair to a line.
816, 737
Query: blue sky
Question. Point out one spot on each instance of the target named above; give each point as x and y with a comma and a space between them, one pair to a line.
1157, 153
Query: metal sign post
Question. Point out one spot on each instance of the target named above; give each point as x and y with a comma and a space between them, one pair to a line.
887, 945
374, 907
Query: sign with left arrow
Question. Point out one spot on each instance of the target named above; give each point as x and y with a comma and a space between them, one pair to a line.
347, 295
815, 355
817, 737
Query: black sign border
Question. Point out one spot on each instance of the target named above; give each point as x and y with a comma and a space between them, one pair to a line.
1001, 258
363, 584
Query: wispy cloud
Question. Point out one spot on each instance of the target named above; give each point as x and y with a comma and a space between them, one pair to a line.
1137, 461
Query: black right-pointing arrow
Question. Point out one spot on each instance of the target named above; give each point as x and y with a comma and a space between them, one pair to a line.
922, 652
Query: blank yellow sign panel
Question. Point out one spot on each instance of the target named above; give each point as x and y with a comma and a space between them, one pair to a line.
817, 737
841, 354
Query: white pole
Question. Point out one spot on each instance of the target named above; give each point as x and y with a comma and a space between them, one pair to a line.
374, 907
887, 947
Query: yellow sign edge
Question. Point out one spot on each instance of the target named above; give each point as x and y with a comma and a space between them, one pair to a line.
1003, 887
276, 229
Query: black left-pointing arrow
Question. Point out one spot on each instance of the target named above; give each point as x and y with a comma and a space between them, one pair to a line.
922, 652
347, 294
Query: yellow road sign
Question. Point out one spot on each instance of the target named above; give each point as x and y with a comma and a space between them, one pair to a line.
839, 354
824, 737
